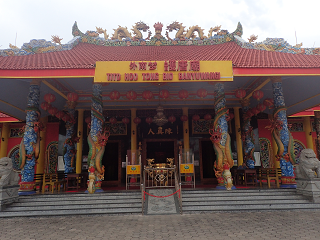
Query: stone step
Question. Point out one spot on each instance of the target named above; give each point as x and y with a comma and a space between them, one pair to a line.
239, 198
249, 207
235, 193
71, 212
72, 202
73, 207
235, 202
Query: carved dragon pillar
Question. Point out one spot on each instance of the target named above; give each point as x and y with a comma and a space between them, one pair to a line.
282, 136
221, 140
97, 140
247, 135
30, 145
69, 149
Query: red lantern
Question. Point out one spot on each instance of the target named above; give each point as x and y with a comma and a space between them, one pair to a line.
261, 107
113, 120
149, 120
164, 94
147, 95
137, 120
66, 118
72, 97
172, 119
258, 94
45, 106
183, 94
131, 95
184, 118
255, 111
114, 95
125, 120
195, 117
202, 93
88, 120
240, 93
52, 110
49, 98
207, 117
60, 114
249, 113
268, 102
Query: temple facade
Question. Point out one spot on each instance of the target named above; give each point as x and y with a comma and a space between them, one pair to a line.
98, 103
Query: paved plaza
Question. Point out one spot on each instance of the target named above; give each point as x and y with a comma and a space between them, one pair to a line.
223, 225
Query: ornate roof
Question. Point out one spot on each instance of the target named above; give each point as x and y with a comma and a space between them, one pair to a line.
86, 48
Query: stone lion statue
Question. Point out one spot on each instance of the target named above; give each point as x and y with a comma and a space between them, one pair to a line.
7, 175
309, 165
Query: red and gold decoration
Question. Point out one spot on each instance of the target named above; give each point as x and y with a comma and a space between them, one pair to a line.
202, 93
53, 110
258, 94
240, 93
207, 117
183, 94
269, 103
149, 120
125, 120
137, 120
164, 94
113, 120
147, 95
49, 98
45, 106
184, 118
261, 107
72, 97
60, 114
114, 95
196, 117
131, 95
172, 119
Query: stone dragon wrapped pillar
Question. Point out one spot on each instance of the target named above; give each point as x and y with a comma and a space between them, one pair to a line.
247, 135
282, 136
97, 140
221, 140
69, 148
30, 145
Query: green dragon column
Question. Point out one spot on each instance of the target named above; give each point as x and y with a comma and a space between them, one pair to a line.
97, 140
221, 140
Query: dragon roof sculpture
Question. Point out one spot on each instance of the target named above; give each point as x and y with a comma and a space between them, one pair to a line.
122, 36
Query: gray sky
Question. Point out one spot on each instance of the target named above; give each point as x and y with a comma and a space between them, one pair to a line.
40, 19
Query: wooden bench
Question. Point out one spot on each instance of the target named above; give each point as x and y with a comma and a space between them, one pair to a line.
53, 181
269, 174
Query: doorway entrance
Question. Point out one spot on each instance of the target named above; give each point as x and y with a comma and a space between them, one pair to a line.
112, 163
207, 159
159, 150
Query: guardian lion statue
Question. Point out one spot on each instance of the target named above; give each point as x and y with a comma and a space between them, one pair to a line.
7, 175
309, 165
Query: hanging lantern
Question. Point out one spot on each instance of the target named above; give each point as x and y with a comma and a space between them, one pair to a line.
258, 94
249, 113
113, 120
195, 117
88, 120
60, 114
52, 110
72, 97
261, 107
49, 98
172, 119
202, 93
184, 118
45, 106
240, 93
125, 120
255, 111
114, 95
66, 118
183, 94
164, 94
137, 120
149, 120
268, 102
207, 117
147, 95
131, 95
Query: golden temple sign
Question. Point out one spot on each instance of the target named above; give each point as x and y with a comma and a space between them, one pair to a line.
163, 71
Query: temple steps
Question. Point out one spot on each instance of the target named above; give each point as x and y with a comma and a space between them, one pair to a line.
244, 200
75, 203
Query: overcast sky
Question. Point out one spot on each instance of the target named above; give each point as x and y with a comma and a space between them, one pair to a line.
23, 20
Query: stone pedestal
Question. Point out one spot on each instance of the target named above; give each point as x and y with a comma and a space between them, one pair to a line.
309, 188
8, 195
